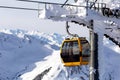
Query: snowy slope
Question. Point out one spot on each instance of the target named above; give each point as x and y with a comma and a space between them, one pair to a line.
109, 61
35, 56
20, 50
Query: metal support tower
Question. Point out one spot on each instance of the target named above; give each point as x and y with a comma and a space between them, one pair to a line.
94, 74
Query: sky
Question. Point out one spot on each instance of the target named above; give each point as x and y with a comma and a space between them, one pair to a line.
28, 20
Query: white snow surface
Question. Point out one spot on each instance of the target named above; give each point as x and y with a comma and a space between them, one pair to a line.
20, 51
26, 54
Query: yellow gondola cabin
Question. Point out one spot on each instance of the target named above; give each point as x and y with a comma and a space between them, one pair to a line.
75, 51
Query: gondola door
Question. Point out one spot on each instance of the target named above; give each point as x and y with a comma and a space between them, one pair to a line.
85, 51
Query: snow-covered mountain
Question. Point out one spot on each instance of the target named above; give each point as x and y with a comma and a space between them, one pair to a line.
20, 50
31, 55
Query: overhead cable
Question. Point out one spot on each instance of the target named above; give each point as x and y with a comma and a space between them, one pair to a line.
20, 8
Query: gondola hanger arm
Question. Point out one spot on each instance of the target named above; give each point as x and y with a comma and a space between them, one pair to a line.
67, 30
